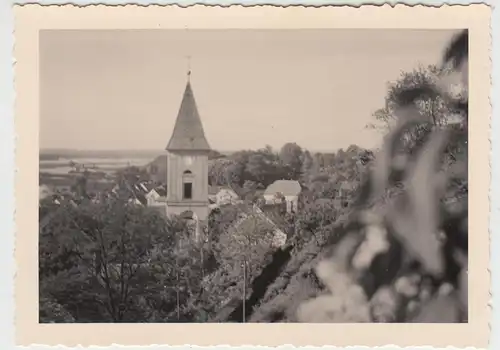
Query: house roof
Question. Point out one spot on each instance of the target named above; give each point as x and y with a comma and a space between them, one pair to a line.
213, 190
230, 190
188, 131
285, 187
252, 215
141, 198
162, 191
144, 187
188, 214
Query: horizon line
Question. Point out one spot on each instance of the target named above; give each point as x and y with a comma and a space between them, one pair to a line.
53, 149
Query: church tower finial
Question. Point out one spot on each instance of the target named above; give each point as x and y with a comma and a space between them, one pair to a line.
189, 68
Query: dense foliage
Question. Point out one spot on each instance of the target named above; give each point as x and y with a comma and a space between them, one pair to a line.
113, 261
376, 238
400, 252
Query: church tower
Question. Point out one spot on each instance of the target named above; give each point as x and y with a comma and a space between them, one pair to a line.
187, 162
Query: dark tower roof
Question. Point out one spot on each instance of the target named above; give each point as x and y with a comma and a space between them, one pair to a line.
188, 131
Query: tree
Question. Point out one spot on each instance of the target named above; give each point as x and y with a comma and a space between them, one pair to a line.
308, 166
437, 111
244, 244
264, 167
430, 106
80, 186
249, 189
261, 166
382, 249
189, 264
291, 155
248, 240
245, 249
133, 174
108, 261
395, 253
213, 154
317, 214
235, 174
219, 172
258, 167
220, 221
53, 312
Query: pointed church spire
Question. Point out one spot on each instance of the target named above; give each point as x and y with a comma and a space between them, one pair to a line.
188, 131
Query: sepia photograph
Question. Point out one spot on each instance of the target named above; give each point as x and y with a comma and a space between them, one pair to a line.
253, 176
201, 168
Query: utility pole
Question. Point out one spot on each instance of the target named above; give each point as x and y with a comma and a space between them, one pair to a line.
244, 288
202, 263
178, 297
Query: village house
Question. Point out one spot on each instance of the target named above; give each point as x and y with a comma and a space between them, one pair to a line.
152, 197
288, 190
156, 196
144, 193
279, 237
148, 194
345, 190
252, 215
135, 201
222, 195
44, 191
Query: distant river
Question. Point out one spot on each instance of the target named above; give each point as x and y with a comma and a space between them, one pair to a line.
61, 166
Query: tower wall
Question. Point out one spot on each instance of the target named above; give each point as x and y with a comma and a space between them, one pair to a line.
196, 163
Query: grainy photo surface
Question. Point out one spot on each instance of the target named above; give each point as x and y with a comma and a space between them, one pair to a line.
253, 175
159, 204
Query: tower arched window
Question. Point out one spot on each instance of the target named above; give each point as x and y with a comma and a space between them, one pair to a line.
187, 185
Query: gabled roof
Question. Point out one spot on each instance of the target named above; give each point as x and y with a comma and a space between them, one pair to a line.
229, 190
213, 190
188, 214
141, 198
162, 191
285, 187
188, 131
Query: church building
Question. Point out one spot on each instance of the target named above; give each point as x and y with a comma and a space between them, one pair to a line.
187, 162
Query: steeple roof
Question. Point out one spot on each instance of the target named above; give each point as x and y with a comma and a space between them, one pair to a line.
188, 131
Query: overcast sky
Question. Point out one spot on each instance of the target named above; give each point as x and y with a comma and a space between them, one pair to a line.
122, 89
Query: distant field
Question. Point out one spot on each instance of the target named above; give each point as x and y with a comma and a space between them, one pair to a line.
54, 154
62, 166
54, 165
55, 170
66, 181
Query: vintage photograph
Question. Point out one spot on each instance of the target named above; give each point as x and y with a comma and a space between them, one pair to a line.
253, 176
256, 176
